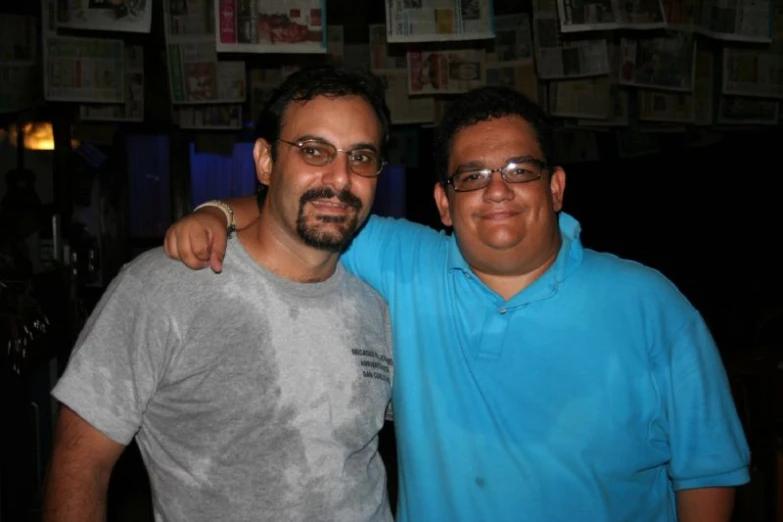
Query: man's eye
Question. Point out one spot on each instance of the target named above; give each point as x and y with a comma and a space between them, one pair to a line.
312, 151
361, 157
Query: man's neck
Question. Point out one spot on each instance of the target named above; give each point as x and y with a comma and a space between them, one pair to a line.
280, 253
509, 280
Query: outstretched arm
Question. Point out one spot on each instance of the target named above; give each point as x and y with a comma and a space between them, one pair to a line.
199, 239
78, 478
705, 504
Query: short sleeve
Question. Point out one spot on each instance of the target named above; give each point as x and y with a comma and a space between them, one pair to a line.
707, 441
384, 251
118, 360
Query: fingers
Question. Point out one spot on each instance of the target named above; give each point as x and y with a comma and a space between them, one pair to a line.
217, 243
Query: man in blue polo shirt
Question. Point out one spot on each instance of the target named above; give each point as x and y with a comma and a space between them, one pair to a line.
535, 379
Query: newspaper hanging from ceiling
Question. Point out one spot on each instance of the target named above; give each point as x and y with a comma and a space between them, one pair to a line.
18, 66
196, 75
750, 72
274, 26
446, 72
105, 15
602, 15
133, 107
581, 98
209, 117
438, 20
665, 62
733, 110
390, 63
559, 56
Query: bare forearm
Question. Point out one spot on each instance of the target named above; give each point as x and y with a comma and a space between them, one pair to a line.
75, 496
705, 504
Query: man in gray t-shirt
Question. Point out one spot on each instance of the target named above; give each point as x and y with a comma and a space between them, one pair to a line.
256, 394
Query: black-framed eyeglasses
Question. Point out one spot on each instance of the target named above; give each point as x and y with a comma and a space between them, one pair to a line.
362, 161
523, 170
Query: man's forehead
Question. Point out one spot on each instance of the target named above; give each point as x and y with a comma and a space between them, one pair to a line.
495, 140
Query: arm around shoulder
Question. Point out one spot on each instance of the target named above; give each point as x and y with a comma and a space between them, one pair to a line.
78, 478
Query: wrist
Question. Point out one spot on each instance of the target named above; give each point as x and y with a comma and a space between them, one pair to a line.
222, 211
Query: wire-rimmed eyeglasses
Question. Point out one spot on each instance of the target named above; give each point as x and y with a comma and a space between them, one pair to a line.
522, 170
361, 161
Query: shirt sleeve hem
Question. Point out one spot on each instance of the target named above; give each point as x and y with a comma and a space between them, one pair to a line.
117, 430
735, 477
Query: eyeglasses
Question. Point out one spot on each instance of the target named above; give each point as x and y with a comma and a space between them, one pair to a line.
521, 171
362, 162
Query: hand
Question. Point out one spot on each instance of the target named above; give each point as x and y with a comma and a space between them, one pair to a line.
199, 239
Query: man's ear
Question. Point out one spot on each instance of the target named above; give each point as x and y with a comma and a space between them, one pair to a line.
442, 202
557, 184
262, 157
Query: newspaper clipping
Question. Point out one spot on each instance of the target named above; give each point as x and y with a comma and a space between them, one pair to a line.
210, 117
105, 15
196, 75
681, 14
263, 82
513, 41
438, 20
660, 63
404, 108
600, 15
558, 58
520, 76
133, 108
18, 68
619, 110
446, 72
584, 98
738, 20
752, 73
88, 70
275, 26
747, 111
390, 62
674, 107
335, 45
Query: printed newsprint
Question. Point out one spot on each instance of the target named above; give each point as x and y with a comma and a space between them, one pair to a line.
196, 76
105, 15
518, 75
210, 117
673, 107
446, 72
88, 70
390, 63
576, 145
584, 98
560, 58
619, 110
738, 20
513, 40
632, 143
335, 45
403, 107
660, 63
272, 26
18, 68
263, 82
752, 73
747, 111
133, 108
438, 20
601, 15
681, 15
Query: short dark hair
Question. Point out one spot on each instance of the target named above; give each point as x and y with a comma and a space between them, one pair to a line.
487, 103
321, 80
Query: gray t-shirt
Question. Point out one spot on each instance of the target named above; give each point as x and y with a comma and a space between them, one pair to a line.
251, 397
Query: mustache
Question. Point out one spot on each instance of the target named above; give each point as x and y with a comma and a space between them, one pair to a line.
343, 196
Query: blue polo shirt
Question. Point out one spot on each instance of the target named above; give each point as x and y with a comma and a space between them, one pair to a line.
592, 395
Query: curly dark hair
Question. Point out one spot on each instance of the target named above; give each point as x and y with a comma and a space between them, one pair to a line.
486, 103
